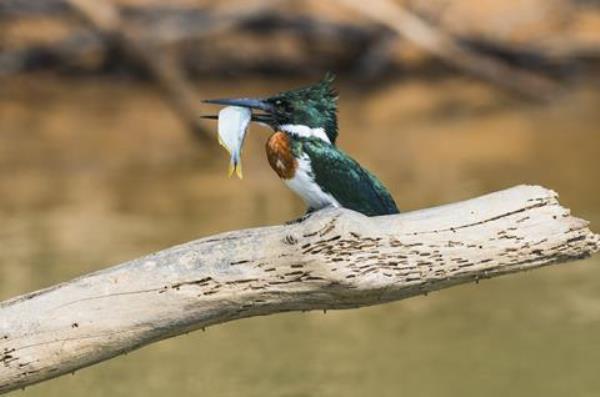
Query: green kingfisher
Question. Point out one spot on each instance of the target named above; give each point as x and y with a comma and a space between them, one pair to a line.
302, 150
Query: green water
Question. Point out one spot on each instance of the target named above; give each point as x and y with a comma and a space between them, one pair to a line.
94, 172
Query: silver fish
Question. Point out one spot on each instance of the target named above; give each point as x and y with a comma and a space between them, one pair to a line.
233, 125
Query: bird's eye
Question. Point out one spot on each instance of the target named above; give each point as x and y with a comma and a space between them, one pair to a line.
283, 106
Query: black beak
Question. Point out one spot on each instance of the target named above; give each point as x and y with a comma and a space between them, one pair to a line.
252, 103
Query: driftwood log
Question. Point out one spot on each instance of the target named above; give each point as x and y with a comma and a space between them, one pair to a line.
336, 259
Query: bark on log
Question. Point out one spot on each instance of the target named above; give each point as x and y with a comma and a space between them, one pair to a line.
336, 259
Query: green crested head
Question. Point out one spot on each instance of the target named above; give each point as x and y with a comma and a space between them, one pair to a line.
314, 107
308, 112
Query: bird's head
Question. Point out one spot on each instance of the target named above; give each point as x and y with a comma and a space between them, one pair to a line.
308, 111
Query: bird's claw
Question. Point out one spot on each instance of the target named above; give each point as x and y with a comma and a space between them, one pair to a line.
304, 217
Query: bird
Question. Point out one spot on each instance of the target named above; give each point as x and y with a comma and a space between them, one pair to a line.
303, 153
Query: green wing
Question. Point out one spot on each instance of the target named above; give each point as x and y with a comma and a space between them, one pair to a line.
341, 176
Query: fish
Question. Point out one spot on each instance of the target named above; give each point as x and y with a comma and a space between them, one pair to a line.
232, 127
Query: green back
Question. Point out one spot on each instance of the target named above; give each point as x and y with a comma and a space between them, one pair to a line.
341, 176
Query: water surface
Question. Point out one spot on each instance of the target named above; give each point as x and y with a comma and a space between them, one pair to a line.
93, 173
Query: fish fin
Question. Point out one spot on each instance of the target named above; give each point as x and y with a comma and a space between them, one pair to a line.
223, 144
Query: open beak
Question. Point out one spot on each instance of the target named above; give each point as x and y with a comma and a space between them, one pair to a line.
252, 103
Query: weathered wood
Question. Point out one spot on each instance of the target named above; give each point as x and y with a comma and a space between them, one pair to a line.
336, 259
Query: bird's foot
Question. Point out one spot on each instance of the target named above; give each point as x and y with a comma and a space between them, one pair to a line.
304, 217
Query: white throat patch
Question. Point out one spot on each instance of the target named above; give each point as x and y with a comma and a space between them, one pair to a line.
305, 131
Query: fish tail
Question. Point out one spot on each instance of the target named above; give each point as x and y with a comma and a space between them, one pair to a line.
238, 170
231, 168
237, 164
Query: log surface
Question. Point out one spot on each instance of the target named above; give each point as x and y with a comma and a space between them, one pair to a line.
336, 259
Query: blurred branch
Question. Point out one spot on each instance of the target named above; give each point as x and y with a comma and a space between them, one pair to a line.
336, 259
73, 50
189, 24
19, 8
326, 44
377, 57
162, 67
198, 37
440, 44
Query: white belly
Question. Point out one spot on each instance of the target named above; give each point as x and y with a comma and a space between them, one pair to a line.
303, 184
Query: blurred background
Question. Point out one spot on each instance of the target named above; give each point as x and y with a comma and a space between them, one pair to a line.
103, 159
